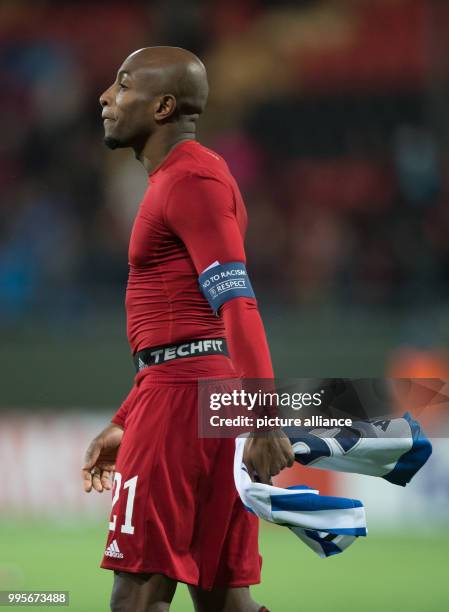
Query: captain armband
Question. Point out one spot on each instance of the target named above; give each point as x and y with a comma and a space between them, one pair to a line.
220, 283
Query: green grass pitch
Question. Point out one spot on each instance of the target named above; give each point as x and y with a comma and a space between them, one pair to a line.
382, 573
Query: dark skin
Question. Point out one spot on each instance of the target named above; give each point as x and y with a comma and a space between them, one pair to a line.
153, 105
155, 102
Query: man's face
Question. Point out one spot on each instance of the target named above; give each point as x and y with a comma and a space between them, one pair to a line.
128, 108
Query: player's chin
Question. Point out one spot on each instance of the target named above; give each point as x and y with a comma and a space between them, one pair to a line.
112, 143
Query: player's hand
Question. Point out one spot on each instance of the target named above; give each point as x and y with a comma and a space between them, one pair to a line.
265, 455
99, 460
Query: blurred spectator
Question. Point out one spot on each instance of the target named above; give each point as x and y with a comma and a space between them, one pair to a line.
306, 98
417, 165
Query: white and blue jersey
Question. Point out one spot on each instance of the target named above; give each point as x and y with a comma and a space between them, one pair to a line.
394, 449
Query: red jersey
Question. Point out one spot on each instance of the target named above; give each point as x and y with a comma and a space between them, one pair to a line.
192, 215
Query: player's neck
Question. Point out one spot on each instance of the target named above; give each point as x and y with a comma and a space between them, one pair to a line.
161, 143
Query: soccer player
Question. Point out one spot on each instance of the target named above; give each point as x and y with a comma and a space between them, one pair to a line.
176, 516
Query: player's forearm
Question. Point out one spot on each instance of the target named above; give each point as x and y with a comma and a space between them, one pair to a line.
119, 417
247, 341
265, 455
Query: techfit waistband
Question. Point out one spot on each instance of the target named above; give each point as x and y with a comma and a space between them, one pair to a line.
193, 348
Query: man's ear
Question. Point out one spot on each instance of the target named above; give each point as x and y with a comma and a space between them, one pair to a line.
165, 107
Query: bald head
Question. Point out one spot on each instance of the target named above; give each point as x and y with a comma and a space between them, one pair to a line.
158, 91
173, 71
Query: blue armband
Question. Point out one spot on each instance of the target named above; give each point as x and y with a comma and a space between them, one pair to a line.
223, 282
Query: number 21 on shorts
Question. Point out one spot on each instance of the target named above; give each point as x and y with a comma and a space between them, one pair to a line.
131, 485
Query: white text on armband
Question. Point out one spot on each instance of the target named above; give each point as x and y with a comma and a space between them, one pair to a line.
223, 282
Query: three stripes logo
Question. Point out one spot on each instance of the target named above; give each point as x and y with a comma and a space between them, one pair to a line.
113, 550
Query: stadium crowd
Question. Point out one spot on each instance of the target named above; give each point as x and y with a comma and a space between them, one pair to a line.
330, 114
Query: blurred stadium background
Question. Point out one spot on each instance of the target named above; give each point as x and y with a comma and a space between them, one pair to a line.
334, 118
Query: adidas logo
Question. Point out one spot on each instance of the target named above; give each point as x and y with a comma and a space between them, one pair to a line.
113, 550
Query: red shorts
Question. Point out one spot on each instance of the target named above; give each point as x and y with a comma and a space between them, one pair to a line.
175, 507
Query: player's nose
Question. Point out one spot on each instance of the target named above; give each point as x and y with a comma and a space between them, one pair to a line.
105, 98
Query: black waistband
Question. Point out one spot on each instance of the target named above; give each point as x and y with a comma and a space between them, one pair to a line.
193, 348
